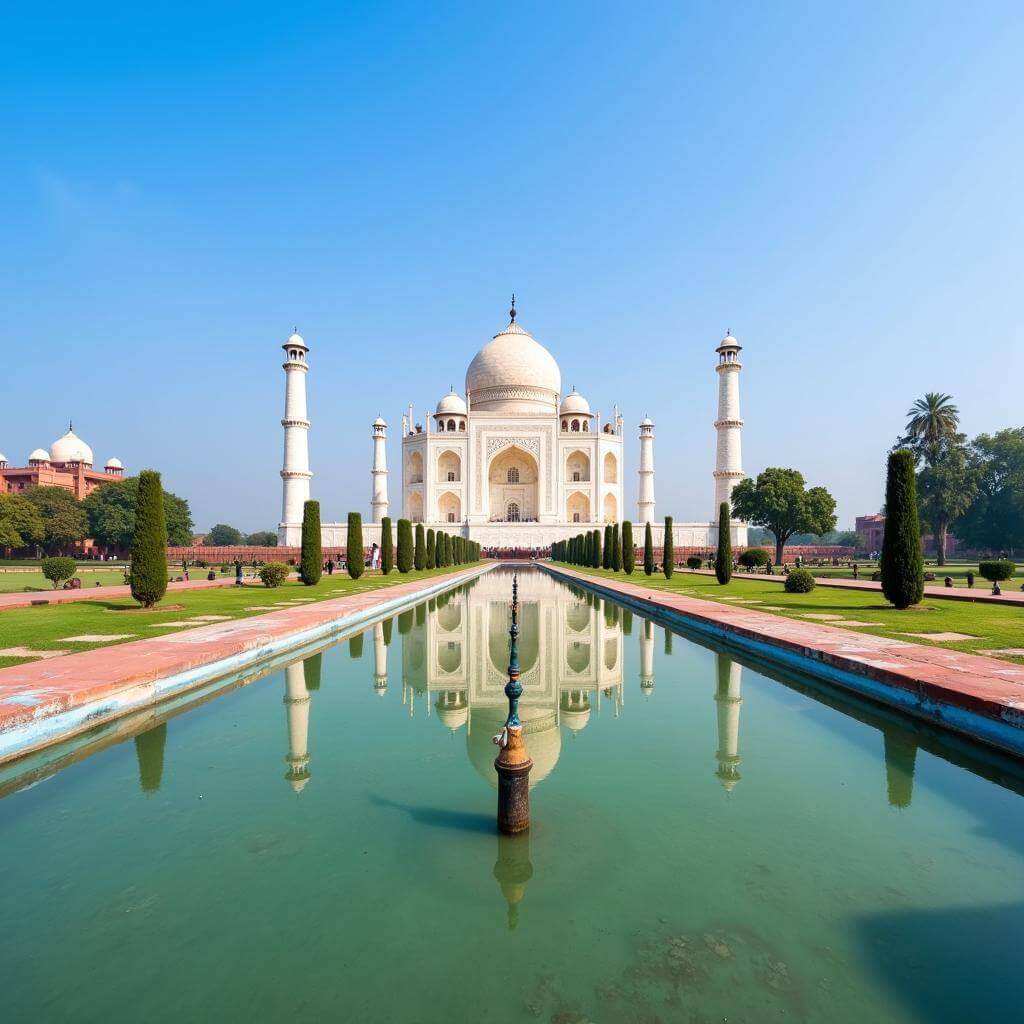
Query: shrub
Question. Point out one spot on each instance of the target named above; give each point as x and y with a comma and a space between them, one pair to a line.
353, 544
694, 562
404, 558
273, 574
149, 542
628, 549
723, 558
58, 569
995, 570
901, 563
754, 557
311, 561
648, 551
800, 581
387, 546
668, 551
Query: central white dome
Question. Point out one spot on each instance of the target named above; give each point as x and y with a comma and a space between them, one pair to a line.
70, 448
513, 373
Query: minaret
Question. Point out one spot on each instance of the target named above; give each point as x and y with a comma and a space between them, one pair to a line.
296, 702
379, 499
645, 505
728, 460
728, 699
380, 661
647, 657
295, 474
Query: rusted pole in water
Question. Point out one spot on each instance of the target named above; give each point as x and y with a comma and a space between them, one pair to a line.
513, 763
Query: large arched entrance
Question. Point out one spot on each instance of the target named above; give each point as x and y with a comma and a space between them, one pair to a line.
512, 489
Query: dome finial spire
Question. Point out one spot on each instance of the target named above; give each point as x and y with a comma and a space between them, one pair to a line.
512, 311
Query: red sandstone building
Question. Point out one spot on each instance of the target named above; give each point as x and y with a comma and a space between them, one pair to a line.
67, 464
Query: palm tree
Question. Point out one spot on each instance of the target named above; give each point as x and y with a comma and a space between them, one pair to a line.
930, 421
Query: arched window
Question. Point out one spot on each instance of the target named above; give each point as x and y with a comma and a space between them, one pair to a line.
513, 476
576, 426
575, 517
565, 424
440, 425
451, 424
462, 425
586, 426
513, 511
451, 517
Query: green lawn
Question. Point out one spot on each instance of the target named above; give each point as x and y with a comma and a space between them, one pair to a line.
46, 627
956, 570
990, 626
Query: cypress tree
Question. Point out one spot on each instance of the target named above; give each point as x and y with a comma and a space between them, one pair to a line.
389, 625
723, 557
595, 562
148, 573
648, 551
404, 545
311, 561
588, 548
447, 549
311, 672
606, 560
616, 549
431, 550
628, 549
668, 550
355, 646
419, 556
387, 546
901, 564
353, 543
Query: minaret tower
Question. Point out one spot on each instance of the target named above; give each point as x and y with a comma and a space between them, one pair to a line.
295, 474
728, 461
647, 658
296, 701
380, 660
379, 499
728, 699
645, 505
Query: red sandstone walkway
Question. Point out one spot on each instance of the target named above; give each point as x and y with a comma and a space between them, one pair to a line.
985, 686
22, 599
982, 592
37, 690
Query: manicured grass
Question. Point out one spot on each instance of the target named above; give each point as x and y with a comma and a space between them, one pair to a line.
16, 582
956, 571
42, 628
992, 625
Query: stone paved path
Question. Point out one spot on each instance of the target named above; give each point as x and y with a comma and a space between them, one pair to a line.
24, 599
983, 686
34, 692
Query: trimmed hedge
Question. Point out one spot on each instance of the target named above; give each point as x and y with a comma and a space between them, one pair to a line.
753, 557
694, 562
311, 561
800, 581
419, 555
431, 550
628, 549
668, 556
404, 559
723, 557
387, 546
901, 564
273, 574
148, 572
353, 544
58, 569
997, 569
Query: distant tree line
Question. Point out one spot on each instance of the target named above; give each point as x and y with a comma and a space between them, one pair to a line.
223, 536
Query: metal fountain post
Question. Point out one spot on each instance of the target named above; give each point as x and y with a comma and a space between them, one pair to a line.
513, 763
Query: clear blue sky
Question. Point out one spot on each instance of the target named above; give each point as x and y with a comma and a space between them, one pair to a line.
840, 185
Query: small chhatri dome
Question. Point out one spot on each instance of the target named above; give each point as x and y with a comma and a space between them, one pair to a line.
647, 422
513, 373
295, 340
574, 403
70, 448
114, 463
451, 404
3, 459
729, 341
379, 422
39, 455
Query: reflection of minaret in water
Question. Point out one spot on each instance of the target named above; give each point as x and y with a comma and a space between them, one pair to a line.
513, 870
380, 660
296, 702
647, 658
149, 749
728, 699
900, 760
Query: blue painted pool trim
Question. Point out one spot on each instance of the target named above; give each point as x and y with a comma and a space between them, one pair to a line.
43, 731
1005, 734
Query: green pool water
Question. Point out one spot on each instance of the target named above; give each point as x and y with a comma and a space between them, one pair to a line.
711, 841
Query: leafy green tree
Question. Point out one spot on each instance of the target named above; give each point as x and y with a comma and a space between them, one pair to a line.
902, 565
21, 525
616, 548
64, 520
405, 545
431, 550
930, 422
668, 550
994, 520
945, 488
311, 558
58, 568
387, 546
355, 552
223, 536
419, 556
110, 510
723, 557
148, 573
780, 501
648, 551
628, 548
262, 539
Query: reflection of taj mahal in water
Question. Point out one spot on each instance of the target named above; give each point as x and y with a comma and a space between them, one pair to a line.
454, 666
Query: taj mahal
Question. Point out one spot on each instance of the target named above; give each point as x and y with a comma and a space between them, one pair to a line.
512, 462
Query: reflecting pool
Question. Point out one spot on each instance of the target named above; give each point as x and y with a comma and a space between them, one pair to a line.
711, 839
